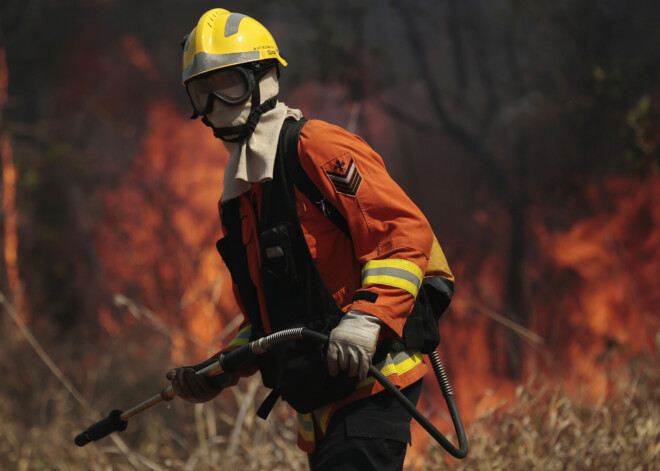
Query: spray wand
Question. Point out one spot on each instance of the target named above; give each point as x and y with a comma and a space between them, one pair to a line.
117, 420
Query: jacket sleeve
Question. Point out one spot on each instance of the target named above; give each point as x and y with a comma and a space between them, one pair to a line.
391, 237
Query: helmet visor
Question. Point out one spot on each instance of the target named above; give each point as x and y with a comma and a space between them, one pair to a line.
231, 86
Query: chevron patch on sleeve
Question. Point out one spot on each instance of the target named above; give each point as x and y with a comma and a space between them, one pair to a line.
343, 174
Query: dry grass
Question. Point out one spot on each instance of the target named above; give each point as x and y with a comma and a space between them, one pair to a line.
542, 429
39, 417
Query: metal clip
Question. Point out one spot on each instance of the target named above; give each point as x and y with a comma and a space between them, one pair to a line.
274, 252
324, 209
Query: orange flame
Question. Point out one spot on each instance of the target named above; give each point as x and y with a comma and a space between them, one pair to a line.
156, 245
613, 256
157, 239
9, 211
137, 55
602, 272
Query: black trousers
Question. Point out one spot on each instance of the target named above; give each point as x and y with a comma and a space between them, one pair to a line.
370, 434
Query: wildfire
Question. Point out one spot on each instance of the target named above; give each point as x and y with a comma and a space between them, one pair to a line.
157, 239
592, 291
611, 313
601, 310
138, 56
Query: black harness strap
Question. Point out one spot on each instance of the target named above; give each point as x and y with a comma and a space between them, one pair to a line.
301, 180
233, 252
295, 294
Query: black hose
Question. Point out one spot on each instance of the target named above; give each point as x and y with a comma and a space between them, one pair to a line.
443, 381
460, 452
232, 360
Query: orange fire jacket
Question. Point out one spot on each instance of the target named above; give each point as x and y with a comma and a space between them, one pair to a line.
378, 270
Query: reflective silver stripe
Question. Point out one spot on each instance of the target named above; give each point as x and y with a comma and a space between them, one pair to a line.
203, 61
305, 423
398, 363
402, 355
395, 272
231, 27
396, 358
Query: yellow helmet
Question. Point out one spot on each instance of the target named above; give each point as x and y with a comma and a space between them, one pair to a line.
223, 39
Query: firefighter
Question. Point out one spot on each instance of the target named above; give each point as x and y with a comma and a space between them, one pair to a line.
349, 264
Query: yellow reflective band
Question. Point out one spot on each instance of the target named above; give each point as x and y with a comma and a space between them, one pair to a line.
322, 416
393, 272
306, 426
242, 337
398, 363
403, 367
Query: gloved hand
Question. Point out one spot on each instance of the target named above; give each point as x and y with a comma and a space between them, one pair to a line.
198, 388
353, 344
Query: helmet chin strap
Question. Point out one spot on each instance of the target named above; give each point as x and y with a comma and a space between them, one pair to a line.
242, 131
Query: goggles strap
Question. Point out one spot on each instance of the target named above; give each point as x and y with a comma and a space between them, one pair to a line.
256, 113
241, 131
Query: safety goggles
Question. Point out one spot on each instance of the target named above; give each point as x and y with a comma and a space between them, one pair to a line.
231, 86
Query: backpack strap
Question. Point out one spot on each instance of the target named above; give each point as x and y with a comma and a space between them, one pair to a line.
268, 404
294, 172
305, 185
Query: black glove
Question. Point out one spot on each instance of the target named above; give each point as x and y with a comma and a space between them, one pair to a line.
190, 386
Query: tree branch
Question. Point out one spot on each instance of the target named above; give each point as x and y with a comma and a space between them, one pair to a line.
456, 132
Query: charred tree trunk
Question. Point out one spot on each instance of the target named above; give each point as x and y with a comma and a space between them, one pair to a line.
505, 186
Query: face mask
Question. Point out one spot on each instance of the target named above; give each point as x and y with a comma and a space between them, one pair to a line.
224, 116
